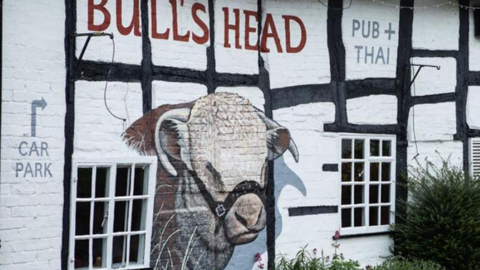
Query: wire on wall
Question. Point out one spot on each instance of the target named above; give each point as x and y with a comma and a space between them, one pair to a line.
106, 86
433, 6
413, 115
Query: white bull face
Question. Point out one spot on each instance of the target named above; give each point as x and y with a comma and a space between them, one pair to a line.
224, 141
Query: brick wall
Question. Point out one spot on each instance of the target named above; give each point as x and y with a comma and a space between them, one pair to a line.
33, 68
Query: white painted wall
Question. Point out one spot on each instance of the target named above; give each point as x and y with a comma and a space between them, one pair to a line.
97, 132
433, 122
128, 49
473, 103
310, 66
435, 28
361, 39
474, 46
33, 68
431, 81
373, 110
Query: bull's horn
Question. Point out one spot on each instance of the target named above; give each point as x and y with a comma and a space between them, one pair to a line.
272, 125
179, 117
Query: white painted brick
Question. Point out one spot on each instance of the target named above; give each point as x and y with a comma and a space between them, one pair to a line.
233, 60
97, 132
474, 43
128, 49
433, 122
310, 66
374, 110
175, 93
431, 81
31, 208
435, 28
366, 12
473, 103
176, 53
435, 153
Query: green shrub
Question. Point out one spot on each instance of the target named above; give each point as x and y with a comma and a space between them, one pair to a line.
305, 261
401, 264
442, 221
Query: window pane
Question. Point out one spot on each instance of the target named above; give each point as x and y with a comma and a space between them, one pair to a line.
385, 193
359, 215
346, 148
120, 219
373, 216
81, 253
374, 193
137, 246
119, 251
374, 171
386, 172
346, 172
82, 218
359, 145
346, 218
140, 183
100, 218
101, 185
346, 195
138, 215
359, 172
359, 194
99, 253
386, 148
385, 215
375, 148
122, 181
84, 183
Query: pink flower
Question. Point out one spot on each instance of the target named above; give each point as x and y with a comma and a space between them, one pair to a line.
261, 265
258, 257
337, 235
315, 251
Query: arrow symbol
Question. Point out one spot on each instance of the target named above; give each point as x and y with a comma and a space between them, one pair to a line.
36, 104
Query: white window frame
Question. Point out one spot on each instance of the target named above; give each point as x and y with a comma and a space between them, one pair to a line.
473, 155
113, 163
368, 159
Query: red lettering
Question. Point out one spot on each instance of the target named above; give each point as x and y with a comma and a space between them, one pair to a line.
91, 15
270, 24
155, 33
303, 37
249, 29
235, 27
134, 24
176, 35
199, 39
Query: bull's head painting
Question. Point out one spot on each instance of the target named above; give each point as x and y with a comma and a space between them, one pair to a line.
211, 183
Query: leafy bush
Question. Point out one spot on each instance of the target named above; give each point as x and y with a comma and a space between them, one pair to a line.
304, 261
401, 264
442, 221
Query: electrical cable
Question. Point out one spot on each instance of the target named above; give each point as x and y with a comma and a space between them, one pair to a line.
413, 116
106, 84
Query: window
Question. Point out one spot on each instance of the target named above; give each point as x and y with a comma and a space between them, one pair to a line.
111, 214
475, 156
368, 183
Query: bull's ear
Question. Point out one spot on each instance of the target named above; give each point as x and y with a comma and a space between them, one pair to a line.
171, 139
279, 141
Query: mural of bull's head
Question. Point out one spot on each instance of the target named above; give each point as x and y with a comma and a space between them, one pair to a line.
213, 154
